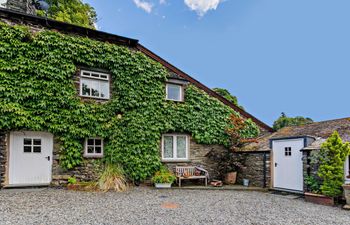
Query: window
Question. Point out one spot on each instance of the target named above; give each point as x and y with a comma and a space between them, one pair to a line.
347, 169
93, 147
174, 92
94, 84
32, 145
175, 147
288, 151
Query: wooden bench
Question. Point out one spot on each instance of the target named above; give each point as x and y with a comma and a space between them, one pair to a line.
188, 173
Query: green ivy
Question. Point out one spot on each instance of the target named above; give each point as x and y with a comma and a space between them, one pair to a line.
37, 92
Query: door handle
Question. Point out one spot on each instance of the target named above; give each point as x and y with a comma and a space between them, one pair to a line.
275, 164
48, 158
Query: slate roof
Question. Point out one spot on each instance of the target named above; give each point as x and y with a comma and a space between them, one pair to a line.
319, 130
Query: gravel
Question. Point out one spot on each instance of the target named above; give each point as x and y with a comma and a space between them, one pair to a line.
149, 206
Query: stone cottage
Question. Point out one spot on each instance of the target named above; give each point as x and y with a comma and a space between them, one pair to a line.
71, 96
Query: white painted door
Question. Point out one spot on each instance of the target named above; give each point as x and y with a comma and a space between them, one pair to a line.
288, 165
30, 158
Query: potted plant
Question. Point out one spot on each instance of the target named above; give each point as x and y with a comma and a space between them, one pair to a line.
325, 186
346, 188
163, 178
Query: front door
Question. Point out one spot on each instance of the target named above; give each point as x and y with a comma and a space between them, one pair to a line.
288, 165
30, 158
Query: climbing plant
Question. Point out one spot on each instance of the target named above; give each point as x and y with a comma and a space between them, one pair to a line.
37, 92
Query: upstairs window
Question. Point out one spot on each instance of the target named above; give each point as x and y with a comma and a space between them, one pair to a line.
93, 147
174, 92
175, 147
94, 84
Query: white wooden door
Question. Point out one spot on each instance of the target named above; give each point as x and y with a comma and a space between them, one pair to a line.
288, 165
30, 158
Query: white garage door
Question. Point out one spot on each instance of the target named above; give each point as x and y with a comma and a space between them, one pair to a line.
30, 158
288, 165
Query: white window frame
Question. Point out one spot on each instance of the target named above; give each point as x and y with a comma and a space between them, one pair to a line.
93, 155
174, 158
97, 76
347, 169
181, 92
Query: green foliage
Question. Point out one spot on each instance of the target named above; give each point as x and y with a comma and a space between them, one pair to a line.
37, 93
333, 154
113, 178
163, 176
72, 180
72, 11
285, 121
226, 94
313, 184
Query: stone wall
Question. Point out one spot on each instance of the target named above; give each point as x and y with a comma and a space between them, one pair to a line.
89, 170
199, 156
256, 168
3, 157
24, 6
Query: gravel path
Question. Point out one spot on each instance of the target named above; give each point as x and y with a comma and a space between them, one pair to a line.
150, 206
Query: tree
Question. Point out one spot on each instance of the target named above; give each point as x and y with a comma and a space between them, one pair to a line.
226, 94
71, 11
285, 121
333, 154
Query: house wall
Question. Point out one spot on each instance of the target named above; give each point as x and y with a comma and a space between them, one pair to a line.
3, 157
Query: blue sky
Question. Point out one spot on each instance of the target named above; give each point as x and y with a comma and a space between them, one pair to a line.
276, 56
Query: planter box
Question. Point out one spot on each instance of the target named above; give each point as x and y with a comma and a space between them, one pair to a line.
319, 199
165, 185
82, 187
230, 178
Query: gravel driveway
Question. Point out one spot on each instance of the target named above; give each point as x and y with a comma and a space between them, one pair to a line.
150, 206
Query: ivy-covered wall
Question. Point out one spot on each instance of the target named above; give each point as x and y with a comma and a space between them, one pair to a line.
37, 93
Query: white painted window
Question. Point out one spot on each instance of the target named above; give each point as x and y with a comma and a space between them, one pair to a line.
94, 84
347, 169
93, 147
287, 151
174, 92
175, 147
32, 145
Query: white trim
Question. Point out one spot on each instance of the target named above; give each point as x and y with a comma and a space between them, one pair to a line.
99, 77
93, 155
347, 170
181, 92
174, 158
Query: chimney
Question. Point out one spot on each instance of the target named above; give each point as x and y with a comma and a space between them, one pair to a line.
24, 6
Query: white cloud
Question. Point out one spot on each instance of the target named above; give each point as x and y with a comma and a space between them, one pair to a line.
202, 6
147, 6
162, 2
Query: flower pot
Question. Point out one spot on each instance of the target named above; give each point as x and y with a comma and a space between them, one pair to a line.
319, 199
346, 188
246, 182
230, 178
163, 185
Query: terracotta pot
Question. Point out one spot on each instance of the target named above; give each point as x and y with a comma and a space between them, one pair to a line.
319, 199
346, 188
230, 178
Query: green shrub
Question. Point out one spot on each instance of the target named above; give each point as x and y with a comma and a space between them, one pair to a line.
72, 180
163, 176
333, 154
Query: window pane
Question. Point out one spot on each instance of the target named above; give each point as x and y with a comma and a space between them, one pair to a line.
90, 142
95, 88
98, 150
90, 149
37, 141
27, 149
27, 141
174, 92
168, 147
98, 142
86, 89
181, 146
37, 149
104, 89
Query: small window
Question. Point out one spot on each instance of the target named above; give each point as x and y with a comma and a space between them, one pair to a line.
288, 151
174, 92
175, 147
31, 145
347, 169
94, 84
93, 147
